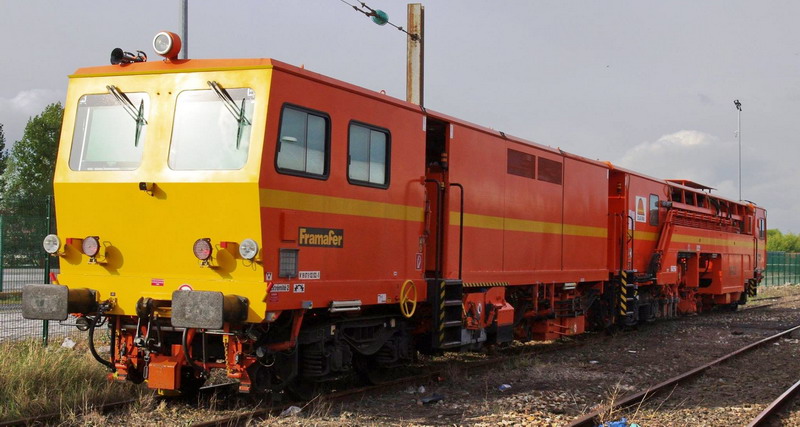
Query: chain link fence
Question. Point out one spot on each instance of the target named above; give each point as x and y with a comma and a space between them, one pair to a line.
23, 226
782, 268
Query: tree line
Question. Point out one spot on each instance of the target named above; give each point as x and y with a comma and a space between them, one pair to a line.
26, 170
780, 242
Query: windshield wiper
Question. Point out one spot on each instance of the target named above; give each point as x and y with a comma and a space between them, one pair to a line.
235, 110
136, 114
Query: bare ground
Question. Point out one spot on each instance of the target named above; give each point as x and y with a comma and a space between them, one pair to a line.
554, 387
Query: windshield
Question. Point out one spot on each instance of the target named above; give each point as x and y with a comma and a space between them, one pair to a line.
106, 137
212, 129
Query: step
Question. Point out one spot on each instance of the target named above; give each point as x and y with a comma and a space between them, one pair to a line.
451, 323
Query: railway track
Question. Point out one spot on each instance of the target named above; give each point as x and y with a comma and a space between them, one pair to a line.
590, 419
432, 371
46, 419
106, 408
772, 413
258, 413
431, 375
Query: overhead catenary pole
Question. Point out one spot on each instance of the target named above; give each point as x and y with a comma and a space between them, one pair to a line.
415, 32
184, 54
739, 135
416, 54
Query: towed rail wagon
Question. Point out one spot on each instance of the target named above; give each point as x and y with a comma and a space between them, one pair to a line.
289, 228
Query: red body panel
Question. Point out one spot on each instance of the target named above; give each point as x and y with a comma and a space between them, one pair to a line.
476, 238
379, 254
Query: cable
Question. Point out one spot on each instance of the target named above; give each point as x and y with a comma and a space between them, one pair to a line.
370, 13
92, 324
184, 344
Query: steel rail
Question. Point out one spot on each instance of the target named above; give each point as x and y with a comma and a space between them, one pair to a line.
506, 354
509, 354
45, 418
588, 419
775, 406
103, 408
235, 419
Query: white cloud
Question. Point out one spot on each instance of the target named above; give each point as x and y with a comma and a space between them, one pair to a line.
688, 154
709, 160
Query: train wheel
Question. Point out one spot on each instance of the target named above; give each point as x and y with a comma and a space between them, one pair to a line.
303, 389
371, 372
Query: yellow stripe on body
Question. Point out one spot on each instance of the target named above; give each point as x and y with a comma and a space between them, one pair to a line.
338, 205
513, 224
343, 206
687, 238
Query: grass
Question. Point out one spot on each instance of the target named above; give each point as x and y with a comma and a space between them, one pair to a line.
37, 380
10, 298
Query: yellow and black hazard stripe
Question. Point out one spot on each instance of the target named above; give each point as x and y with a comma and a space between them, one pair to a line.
752, 288
623, 293
484, 284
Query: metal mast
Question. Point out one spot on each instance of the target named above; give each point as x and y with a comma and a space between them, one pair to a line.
739, 134
184, 54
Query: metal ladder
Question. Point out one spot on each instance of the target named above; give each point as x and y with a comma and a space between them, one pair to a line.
447, 309
628, 302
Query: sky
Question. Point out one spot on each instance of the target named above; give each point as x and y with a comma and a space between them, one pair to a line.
645, 84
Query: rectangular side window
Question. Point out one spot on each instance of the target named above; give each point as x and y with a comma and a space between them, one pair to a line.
549, 171
303, 143
521, 164
368, 156
762, 228
653, 209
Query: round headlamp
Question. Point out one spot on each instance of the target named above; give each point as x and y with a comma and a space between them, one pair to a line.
51, 244
91, 246
202, 249
167, 44
248, 249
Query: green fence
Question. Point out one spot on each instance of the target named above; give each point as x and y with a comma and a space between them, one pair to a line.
782, 268
23, 226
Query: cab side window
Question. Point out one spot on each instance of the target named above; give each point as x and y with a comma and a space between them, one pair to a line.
653, 209
368, 156
303, 143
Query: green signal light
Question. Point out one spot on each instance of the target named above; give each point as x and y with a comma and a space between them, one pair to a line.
380, 17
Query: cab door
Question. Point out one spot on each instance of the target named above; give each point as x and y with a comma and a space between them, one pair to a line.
437, 196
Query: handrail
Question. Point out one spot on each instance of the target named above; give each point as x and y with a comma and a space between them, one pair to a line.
439, 225
460, 229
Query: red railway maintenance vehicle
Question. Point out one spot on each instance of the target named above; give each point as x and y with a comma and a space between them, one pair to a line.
289, 228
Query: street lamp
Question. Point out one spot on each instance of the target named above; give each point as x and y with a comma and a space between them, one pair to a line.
739, 134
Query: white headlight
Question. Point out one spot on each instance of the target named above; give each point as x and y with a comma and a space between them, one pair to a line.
167, 44
51, 244
248, 249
